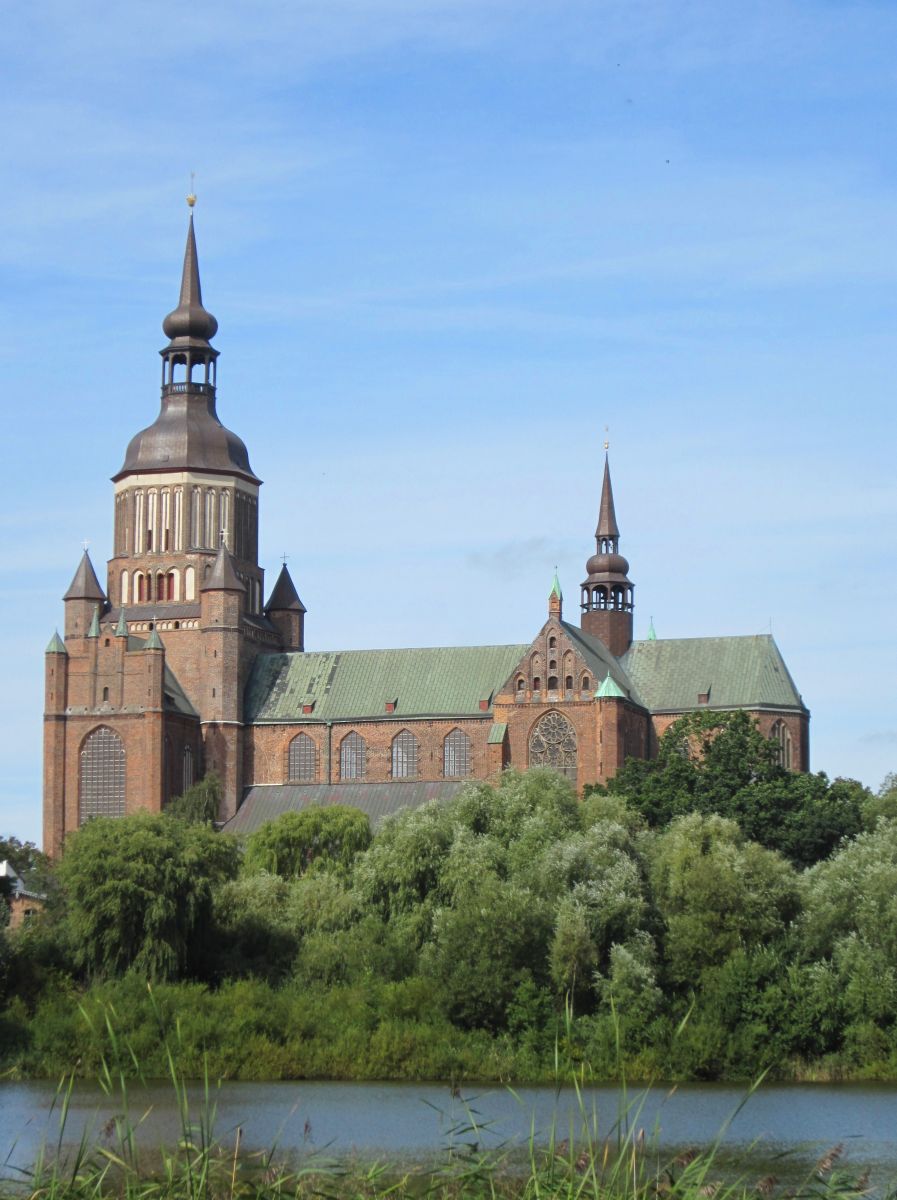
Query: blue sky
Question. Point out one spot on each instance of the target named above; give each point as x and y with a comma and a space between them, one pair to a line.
447, 242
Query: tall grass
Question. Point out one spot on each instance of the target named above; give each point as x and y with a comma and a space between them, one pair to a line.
579, 1163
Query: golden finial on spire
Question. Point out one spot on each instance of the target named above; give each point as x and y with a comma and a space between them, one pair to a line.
606, 438
191, 198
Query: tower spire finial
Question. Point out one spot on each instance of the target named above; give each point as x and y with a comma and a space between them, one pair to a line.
190, 321
191, 195
607, 517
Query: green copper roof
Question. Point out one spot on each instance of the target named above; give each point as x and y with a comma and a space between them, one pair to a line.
556, 587
497, 733
652, 635
56, 645
153, 642
353, 684
94, 631
737, 672
609, 689
121, 629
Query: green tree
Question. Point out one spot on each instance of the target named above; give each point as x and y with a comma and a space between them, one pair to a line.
854, 892
138, 892
199, 805
717, 892
290, 844
883, 803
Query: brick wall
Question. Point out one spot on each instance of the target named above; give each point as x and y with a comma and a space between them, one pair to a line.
267, 748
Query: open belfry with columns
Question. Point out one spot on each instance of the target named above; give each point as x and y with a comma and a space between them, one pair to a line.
179, 666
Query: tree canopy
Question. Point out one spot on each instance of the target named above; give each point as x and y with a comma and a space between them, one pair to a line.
138, 892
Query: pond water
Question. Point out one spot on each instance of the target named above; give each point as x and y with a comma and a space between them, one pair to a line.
409, 1120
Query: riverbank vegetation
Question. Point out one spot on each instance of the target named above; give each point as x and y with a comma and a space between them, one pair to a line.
707, 916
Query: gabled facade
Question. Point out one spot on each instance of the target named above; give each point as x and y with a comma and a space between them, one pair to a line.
177, 667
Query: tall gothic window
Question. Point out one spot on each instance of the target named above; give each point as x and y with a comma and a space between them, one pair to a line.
552, 743
301, 761
187, 781
102, 791
781, 735
352, 757
404, 755
456, 755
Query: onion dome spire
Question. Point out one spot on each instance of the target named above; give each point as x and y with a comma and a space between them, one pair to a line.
190, 321
607, 591
187, 434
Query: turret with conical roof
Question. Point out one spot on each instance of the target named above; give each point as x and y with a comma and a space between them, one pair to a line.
286, 612
82, 598
607, 591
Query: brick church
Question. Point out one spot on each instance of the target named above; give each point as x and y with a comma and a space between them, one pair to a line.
180, 665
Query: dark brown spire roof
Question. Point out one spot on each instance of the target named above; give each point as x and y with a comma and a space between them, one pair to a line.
85, 585
187, 434
223, 576
607, 518
284, 597
190, 320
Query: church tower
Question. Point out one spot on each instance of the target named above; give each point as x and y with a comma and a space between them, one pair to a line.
186, 486
607, 590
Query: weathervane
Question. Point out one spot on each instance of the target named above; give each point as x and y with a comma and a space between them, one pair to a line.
191, 198
606, 438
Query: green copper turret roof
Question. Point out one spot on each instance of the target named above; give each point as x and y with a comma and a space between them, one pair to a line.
153, 642
56, 645
556, 587
652, 634
121, 629
610, 689
94, 631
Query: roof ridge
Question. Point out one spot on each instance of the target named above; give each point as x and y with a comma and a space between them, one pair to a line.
401, 649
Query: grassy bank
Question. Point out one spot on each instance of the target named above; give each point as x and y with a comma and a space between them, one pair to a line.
622, 1164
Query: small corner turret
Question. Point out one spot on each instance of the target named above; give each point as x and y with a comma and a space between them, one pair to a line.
286, 612
82, 598
556, 599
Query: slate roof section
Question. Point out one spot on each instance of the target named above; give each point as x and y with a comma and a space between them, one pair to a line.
601, 662
347, 685
85, 585
738, 672
284, 597
223, 576
266, 802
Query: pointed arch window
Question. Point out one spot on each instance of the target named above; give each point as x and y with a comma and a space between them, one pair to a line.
456, 755
552, 743
352, 757
781, 735
302, 764
102, 776
404, 755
